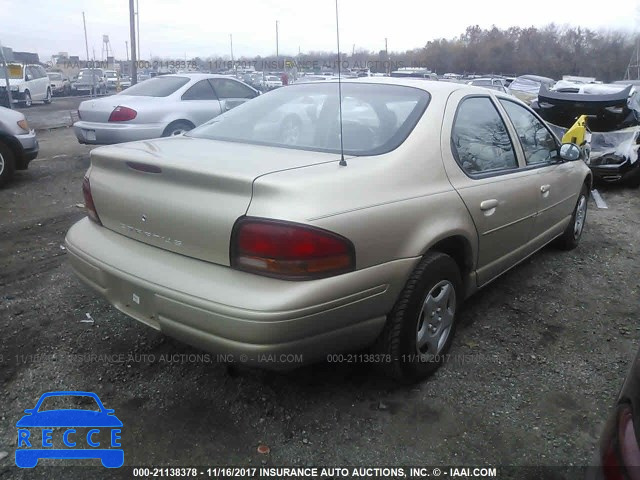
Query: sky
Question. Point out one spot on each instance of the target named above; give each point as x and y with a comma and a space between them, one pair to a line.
173, 30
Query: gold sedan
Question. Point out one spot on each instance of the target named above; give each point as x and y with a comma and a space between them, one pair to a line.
298, 225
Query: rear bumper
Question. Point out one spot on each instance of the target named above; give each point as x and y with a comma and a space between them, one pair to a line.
255, 320
97, 133
617, 174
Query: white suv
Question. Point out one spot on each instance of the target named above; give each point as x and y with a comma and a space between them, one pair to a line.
28, 83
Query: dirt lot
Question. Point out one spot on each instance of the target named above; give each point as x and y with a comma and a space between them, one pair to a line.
537, 362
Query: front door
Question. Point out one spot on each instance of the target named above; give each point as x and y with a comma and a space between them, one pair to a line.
557, 180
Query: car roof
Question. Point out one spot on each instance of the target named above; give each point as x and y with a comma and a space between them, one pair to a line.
431, 86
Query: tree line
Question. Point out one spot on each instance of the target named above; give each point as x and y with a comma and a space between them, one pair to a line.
551, 51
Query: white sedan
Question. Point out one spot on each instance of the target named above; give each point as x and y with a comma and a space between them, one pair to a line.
159, 107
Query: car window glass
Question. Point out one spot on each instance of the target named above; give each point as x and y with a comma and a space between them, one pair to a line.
30, 74
200, 91
538, 143
376, 118
480, 138
41, 72
231, 89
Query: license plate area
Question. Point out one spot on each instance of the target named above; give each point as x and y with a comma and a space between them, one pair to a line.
90, 134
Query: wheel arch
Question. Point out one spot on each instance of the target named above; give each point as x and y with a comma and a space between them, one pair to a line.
178, 120
13, 143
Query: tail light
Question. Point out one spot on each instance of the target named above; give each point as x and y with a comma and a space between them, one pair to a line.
289, 251
122, 114
88, 201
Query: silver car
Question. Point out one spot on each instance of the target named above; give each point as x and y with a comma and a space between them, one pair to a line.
18, 143
273, 249
161, 106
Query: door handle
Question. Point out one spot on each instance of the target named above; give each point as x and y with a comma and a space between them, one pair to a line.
488, 204
545, 188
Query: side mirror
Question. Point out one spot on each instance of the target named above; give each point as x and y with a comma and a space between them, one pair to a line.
570, 152
30, 411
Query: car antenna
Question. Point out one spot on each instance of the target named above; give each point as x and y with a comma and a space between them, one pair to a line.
343, 162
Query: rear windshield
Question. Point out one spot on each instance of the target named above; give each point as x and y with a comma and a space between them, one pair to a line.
156, 87
376, 118
54, 76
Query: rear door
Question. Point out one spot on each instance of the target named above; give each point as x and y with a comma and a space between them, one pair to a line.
231, 92
34, 83
201, 102
483, 165
558, 182
43, 81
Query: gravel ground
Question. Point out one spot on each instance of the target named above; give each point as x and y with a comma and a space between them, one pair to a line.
538, 359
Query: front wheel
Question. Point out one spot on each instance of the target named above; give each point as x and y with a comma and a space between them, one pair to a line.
7, 164
420, 328
27, 99
47, 99
572, 234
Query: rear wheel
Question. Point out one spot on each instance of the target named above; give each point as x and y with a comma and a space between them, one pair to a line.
27, 99
7, 164
572, 234
177, 128
420, 328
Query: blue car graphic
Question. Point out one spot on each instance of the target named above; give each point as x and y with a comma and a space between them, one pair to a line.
31, 448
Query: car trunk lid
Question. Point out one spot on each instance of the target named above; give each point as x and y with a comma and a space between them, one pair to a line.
184, 194
100, 109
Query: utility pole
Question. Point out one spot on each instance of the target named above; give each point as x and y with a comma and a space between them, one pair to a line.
86, 45
386, 54
233, 63
132, 30
138, 27
6, 77
277, 48
126, 49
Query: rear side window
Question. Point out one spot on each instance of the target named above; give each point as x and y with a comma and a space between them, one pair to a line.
479, 138
200, 91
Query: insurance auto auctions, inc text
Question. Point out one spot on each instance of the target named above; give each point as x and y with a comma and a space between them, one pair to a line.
370, 472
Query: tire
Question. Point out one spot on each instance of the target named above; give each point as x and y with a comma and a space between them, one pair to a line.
433, 289
7, 164
27, 99
47, 99
572, 234
177, 128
